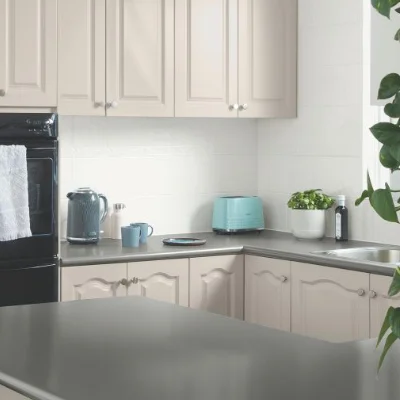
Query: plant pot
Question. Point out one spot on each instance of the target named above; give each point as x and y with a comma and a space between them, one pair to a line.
308, 224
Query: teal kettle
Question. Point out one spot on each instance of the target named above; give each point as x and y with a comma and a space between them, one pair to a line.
86, 211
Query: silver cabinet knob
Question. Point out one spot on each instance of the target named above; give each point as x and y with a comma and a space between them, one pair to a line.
2, 92
123, 282
99, 104
373, 294
234, 107
112, 104
243, 107
284, 278
361, 292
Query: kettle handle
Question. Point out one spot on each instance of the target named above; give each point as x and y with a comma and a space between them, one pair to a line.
104, 198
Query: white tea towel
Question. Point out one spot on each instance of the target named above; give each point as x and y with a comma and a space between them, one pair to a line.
14, 201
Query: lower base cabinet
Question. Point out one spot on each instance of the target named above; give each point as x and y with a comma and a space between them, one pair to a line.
7, 394
216, 285
164, 280
330, 303
380, 302
267, 292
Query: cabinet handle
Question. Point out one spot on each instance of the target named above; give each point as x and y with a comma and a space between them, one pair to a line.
98, 104
284, 278
112, 104
243, 107
361, 292
123, 282
373, 294
2, 92
233, 107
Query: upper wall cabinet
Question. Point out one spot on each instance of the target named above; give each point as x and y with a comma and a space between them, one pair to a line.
235, 58
81, 57
267, 58
206, 58
116, 57
140, 58
28, 53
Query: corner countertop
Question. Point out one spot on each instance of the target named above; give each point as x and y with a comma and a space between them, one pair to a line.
266, 244
136, 348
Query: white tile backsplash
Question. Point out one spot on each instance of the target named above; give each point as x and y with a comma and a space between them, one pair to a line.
167, 171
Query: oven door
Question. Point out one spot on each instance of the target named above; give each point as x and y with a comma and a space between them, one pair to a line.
42, 190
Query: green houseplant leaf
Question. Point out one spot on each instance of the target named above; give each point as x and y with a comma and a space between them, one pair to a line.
395, 153
386, 133
389, 342
385, 325
386, 158
395, 285
392, 110
397, 35
395, 322
384, 6
382, 202
390, 85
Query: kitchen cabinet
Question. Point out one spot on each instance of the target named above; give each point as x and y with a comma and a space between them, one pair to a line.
329, 303
81, 57
7, 394
235, 58
380, 302
93, 282
28, 48
267, 58
140, 58
267, 292
126, 57
164, 280
217, 284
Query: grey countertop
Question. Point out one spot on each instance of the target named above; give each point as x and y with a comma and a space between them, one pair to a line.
135, 348
267, 244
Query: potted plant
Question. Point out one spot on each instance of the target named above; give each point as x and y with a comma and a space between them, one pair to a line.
381, 200
308, 213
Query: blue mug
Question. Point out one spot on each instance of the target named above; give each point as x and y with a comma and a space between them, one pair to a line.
144, 230
130, 236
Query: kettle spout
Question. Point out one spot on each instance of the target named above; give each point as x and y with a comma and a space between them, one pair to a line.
70, 195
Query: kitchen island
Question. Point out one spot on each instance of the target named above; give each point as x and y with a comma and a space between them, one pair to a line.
135, 348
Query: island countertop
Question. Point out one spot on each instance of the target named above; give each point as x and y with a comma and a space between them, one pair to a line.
135, 348
266, 244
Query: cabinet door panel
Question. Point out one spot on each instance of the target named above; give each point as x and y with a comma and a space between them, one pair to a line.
267, 292
28, 48
268, 58
163, 280
81, 57
140, 57
326, 303
381, 302
216, 285
93, 282
205, 58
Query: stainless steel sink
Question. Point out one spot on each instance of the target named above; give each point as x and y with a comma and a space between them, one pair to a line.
383, 255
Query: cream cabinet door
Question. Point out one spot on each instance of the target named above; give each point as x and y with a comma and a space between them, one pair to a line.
28, 49
81, 57
93, 282
267, 58
380, 302
267, 292
206, 58
216, 284
164, 280
329, 303
140, 58
7, 394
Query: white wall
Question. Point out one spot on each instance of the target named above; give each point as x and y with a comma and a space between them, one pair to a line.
322, 148
167, 171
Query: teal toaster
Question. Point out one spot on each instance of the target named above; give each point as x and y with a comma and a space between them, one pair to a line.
235, 214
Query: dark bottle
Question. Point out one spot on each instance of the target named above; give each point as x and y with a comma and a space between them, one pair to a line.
341, 220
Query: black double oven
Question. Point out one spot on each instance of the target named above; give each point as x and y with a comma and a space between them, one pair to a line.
29, 266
